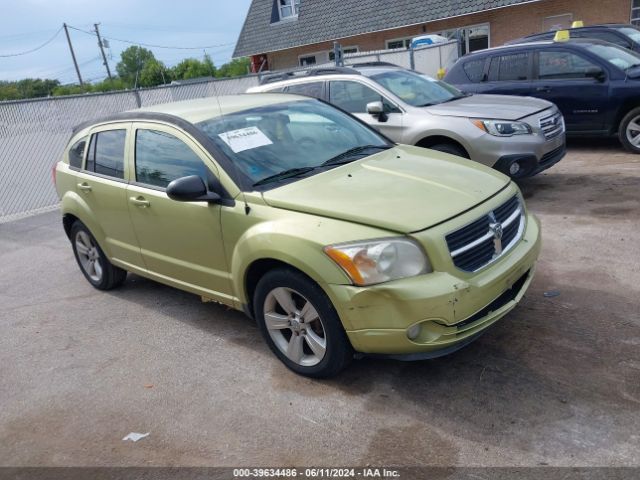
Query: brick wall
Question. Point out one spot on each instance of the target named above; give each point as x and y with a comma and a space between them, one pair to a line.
505, 24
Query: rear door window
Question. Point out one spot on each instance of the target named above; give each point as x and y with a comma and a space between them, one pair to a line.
561, 65
313, 89
509, 68
106, 153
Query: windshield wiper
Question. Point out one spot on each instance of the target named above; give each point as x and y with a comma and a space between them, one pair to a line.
292, 172
344, 157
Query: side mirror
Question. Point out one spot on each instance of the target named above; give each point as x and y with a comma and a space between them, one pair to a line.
377, 110
190, 189
596, 73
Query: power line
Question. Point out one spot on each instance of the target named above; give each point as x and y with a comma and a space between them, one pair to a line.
131, 42
33, 49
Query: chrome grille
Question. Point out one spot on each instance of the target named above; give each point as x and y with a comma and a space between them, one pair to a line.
486, 239
552, 125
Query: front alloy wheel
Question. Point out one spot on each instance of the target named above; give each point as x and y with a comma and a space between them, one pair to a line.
295, 326
300, 324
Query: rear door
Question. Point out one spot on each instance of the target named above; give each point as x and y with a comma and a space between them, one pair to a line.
354, 96
102, 186
561, 76
509, 74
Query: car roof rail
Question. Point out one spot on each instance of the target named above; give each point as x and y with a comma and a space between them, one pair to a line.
375, 64
312, 72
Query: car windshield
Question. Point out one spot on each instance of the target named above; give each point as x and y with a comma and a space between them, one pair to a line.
632, 33
618, 56
290, 139
415, 89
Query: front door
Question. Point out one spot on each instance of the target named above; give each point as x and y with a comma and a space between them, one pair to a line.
354, 96
563, 78
102, 186
180, 241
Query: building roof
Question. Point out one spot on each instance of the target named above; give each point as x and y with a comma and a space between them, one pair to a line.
326, 20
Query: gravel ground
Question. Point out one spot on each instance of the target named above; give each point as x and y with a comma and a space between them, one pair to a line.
557, 382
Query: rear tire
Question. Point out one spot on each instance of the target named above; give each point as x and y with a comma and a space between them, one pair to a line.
300, 324
92, 261
629, 131
449, 148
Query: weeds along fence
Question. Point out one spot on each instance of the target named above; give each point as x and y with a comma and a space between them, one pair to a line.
33, 134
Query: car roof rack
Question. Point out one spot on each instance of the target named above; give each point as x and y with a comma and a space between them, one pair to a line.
312, 72
375, 64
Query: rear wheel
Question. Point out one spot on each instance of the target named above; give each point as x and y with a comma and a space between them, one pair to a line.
449, 148
300, 324
629, 132
92, 261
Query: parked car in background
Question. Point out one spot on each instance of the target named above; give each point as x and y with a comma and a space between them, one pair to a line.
595, 84
621, 34
334, 239
517, 137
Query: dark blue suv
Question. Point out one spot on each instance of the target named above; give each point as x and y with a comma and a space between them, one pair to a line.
595, 84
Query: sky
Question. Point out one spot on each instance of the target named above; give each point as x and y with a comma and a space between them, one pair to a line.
27, 24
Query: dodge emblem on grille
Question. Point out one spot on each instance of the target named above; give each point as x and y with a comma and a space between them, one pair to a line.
496, 229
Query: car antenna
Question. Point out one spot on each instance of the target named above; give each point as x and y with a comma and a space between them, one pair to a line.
247, 208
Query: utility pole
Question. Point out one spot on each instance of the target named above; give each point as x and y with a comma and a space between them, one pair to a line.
73, 55
104, 57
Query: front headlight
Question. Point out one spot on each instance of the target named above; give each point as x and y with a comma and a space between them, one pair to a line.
502, 128
378, 261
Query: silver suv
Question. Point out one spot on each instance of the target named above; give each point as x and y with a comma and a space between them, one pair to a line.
519, 136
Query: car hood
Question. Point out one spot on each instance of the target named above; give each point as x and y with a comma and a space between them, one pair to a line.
403, 189
501, 107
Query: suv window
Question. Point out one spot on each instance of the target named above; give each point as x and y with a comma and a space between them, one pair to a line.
76, 153
106, 153
562, 65
475, 70
161, 158
602, 35
510, 67
352, 96
310, 89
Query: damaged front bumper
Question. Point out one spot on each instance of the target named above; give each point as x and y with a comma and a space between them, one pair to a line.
438, 313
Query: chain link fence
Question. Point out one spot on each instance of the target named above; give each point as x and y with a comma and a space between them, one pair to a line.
33, 134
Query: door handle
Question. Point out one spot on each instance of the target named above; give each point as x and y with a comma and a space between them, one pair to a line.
140, 202
543, 89
84, 186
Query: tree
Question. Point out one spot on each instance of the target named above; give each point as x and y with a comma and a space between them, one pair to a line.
193, 68
132, 62
235, 68
27, 88
153, 73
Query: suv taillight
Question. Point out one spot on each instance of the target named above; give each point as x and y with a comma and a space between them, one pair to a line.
53, 173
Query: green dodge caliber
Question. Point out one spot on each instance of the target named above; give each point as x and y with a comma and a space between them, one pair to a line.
338, 242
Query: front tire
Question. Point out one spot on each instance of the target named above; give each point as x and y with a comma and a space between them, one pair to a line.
629, 131
300, 324
92, 261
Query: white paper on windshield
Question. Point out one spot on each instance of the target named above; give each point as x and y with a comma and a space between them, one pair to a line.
245, 139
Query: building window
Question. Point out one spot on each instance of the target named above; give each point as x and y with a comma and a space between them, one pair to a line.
557, 22
635, 12
307, 60
288, 8
398, 43
474, 37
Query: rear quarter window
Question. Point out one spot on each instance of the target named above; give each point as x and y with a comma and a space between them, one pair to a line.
474, 70
76, 152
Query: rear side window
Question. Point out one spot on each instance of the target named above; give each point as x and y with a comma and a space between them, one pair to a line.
106, 153
161, 158
509, 68
310, 89
76, 152
602, 35
562, 65
475, 70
